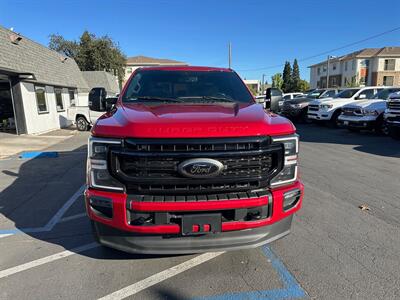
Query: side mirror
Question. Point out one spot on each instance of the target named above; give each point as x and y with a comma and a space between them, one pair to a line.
272, 98
362, 96
97, 97
110, 102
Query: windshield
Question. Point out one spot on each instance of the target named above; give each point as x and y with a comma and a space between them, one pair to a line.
384, 94
347, 93
315, 94
186, 86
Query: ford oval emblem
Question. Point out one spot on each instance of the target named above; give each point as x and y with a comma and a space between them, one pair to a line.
200, 168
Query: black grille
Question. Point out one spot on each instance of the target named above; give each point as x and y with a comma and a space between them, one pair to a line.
394, 105
150, 166
190, 145
313, 107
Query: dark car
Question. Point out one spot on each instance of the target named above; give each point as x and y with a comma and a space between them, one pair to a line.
296, 108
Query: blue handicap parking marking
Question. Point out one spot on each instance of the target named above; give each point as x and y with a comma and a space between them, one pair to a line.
291, 288
38, 154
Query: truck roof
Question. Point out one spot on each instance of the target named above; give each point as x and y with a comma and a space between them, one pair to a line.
185, 68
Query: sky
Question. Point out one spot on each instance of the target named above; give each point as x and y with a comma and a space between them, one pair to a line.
264, 34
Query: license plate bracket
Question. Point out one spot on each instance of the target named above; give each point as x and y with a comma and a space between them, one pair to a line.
197, 224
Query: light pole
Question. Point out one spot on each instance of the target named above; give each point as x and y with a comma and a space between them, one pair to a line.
327, 70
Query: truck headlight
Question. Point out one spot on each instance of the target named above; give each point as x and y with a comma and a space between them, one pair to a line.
289, 172
367, 112
326, 106
98, 175
299, 105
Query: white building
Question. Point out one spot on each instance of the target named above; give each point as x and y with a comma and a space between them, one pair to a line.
254, 85
37, 85
371, 66
134, 62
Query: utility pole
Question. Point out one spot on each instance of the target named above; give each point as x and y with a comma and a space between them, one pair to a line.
230, 55
262, 83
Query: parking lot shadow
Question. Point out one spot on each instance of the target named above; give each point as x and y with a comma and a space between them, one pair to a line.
35, 191
367, 142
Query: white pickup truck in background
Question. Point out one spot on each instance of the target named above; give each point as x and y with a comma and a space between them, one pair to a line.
84, 116
329, 109
367, 114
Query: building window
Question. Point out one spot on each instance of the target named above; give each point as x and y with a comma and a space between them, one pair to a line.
353, 65
334, 66
323, 69
389, 64
59, 99
345, 65
318, 70
41, 101
72, 101
388, 80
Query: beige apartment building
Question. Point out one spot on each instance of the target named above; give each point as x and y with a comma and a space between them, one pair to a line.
366, 67
134, 62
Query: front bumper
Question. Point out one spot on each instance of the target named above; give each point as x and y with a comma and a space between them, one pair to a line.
392, 120
117, 232
291, 112
363, 122
176, 244
320, 115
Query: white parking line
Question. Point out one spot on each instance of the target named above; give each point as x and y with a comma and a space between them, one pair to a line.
5, 235
45, 260
53, 221
159, 277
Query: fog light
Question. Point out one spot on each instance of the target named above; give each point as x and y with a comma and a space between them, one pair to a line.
102, 206
291, 198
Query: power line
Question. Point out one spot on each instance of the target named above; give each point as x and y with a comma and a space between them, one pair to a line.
326, 52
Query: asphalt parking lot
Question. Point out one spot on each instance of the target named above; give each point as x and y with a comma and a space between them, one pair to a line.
335, 251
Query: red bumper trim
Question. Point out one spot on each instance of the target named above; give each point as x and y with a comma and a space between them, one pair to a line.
198, 206
120, 221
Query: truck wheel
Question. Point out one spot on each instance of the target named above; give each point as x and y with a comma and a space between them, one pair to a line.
333, 122
394, 133
381, 126
303, 116
82, 124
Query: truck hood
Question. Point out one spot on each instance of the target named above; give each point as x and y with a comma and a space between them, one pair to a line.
336, 102
299, 100
190, 121
372, 104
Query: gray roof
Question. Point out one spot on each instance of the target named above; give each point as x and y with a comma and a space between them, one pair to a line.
46, 65
101, 79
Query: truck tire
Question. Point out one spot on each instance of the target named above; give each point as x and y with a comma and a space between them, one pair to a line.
304, 117
381, 126
394, 133
333, 122
82, 124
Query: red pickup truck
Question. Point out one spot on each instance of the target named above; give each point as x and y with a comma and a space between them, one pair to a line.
186, 161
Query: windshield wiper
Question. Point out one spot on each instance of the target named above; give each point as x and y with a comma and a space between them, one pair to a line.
155, 99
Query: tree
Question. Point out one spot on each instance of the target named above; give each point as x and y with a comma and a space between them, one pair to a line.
295, 84
277, 81
92, 53
303, 86
286, 76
